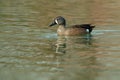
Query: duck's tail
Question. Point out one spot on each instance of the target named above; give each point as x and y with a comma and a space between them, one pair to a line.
88, 26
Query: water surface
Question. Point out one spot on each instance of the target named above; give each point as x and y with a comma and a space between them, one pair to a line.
30, 50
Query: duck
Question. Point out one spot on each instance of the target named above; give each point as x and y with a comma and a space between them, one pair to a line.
72, 30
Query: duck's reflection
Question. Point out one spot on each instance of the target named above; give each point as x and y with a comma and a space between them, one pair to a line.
61, 45
64, 42
80, 61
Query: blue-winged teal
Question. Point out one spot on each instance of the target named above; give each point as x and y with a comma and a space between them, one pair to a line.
72, 30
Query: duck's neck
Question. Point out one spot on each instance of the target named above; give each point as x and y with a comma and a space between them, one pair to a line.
61, 28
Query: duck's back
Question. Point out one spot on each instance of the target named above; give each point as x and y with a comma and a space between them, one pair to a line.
75, 30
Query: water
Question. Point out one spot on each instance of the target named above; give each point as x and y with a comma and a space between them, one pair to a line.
30, 50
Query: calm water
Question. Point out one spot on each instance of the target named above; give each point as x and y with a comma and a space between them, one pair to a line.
30, 50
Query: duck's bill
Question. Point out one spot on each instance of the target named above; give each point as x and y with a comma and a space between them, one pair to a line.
52, 24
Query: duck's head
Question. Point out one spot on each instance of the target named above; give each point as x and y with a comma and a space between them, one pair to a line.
59, 21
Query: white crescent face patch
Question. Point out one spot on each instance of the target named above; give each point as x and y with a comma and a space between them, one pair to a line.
56, 21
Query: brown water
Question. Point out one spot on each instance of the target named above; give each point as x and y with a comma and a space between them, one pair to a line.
30, 50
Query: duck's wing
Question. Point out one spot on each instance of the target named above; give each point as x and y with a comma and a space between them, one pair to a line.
85, 26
